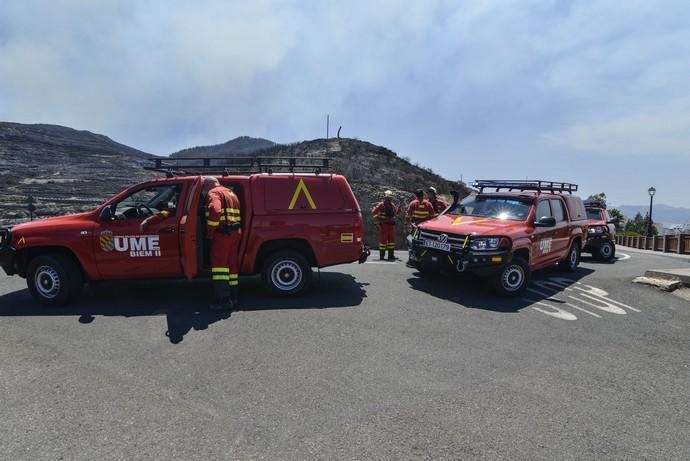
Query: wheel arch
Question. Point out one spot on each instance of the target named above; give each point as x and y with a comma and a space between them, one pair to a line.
271, 246
522, 253
24, 256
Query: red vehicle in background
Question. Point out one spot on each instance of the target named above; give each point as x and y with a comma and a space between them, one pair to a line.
506, 231
291, 222
601, 234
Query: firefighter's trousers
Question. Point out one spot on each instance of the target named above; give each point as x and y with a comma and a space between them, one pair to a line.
386, 237
225, 264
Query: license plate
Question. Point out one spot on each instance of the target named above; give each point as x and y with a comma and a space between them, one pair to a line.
435, 245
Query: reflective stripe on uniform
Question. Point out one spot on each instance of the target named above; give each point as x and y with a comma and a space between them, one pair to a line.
212, 223
220, 270
233, 280
220, 277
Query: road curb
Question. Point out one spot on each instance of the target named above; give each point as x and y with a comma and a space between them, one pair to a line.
665, 279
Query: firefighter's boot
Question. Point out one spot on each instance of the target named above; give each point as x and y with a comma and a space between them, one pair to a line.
391, 254
234, 298
383, 254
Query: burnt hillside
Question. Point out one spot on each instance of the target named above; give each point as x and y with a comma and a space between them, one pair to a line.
65, 170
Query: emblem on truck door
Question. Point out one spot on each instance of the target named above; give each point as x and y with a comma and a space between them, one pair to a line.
137, 246
443, 238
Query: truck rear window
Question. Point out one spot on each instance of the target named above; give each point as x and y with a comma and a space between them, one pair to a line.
594, 214
494, 207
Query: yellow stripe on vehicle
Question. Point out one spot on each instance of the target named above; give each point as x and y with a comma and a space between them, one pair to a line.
346, 238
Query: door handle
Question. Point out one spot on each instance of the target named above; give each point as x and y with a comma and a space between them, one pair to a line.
167, 230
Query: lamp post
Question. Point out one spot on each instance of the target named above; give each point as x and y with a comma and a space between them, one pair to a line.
651, 191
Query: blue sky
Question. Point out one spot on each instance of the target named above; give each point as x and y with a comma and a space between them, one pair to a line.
592, 92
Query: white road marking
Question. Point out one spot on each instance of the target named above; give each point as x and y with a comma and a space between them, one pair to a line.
622, 257
587, 295
559, 313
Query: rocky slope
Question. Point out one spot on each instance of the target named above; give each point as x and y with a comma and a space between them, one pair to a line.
66, 170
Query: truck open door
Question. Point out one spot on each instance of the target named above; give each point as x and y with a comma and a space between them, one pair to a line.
189, 232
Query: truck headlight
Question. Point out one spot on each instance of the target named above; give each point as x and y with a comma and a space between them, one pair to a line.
489, 243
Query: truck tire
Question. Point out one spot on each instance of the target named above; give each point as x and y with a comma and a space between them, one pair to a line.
53, 280
606, 252
287, 273
513, 278
572, 259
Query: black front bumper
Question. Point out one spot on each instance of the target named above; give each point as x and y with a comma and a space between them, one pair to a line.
7, 253
479, 262
596, 240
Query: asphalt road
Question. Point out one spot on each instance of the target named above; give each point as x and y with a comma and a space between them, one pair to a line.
375, 363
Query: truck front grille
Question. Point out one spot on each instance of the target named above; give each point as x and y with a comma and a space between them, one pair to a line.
457, 242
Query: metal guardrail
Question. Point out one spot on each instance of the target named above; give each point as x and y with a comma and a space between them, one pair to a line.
679, 244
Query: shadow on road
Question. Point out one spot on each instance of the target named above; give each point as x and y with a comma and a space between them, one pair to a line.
474, 292
184, 303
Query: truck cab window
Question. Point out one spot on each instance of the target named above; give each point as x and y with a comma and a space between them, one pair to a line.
557, 209
543, 210
147, 202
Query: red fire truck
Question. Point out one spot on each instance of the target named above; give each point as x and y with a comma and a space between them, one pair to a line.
291, 221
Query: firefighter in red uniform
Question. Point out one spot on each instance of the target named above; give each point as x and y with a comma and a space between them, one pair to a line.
419, 209
384, 215
223, 219
437, 203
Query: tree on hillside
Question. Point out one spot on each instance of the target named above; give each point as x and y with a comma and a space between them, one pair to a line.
638, 225
600, 196
615, 213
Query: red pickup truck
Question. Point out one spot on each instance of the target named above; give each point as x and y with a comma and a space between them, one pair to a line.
505, 233
601, 235
290, 222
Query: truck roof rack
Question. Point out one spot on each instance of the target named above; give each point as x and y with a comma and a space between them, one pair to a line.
240, 165
595, 204
524, 185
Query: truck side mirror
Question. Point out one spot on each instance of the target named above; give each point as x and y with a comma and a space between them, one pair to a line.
106, 214
546, 222
613, 221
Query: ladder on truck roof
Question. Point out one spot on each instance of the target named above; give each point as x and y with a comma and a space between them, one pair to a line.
524, 185
243, 165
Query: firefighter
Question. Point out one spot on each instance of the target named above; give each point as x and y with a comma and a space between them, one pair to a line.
384, 216
223, 220
438, 204
419, 209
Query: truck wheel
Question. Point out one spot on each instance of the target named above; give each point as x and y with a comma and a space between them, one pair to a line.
570, 263
513, 278
606, 251
53, 279
287, 272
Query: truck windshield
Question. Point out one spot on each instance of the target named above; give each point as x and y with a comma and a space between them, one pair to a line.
594, 214
508, 208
